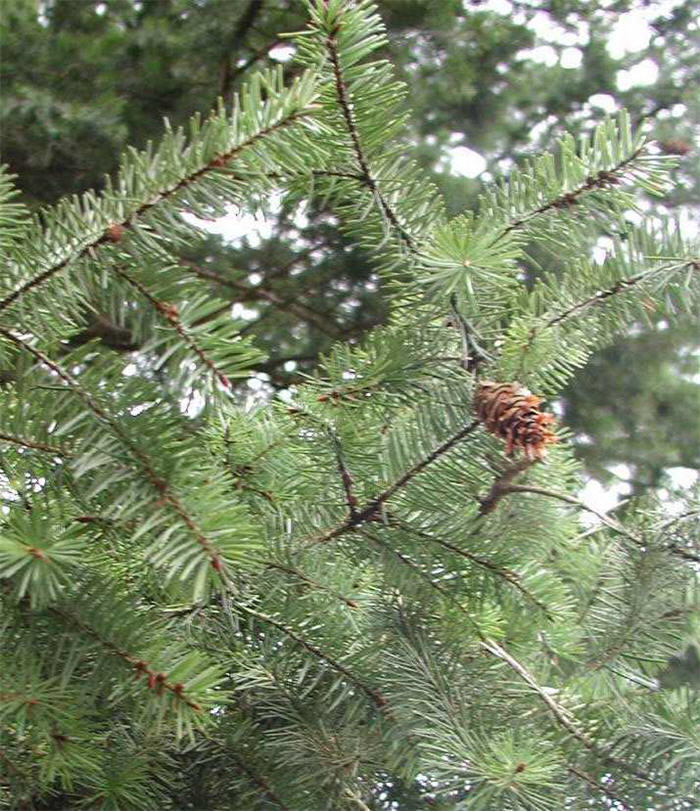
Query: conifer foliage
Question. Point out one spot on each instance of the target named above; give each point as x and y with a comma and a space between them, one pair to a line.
359, 596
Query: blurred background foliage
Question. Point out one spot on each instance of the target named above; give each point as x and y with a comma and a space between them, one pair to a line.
490, 83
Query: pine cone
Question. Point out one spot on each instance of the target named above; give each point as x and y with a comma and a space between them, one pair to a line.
114, 232
509, 411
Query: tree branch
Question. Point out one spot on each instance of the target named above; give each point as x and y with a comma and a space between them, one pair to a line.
370, 510
505, 574
426, 577
561, 715
252, 59
6, 760
251, 293
257, 780
110, 235
565, 720
142, 460
313, 583
602, 179
374, 694
501, 485
473, 355
246, 21
157, 680
368, 179
120, 339
619, 287
345, 477
34, 445
609, 522
170, 314
598, 786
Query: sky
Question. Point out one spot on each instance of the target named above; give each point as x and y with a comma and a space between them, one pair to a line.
631, 33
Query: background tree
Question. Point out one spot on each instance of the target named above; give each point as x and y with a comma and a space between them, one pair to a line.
502, 79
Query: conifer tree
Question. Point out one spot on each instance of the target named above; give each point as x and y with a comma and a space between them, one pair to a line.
376, 593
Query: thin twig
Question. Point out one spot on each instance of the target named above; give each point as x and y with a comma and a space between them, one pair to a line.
620, 286
348, 115
565, 719
597, 786
260, 782
5, 759
257, 55
426, 577
142, 460
34, 445
562, 716
473, 355
602, 179
374, 694
313, 583
156, 680
501, 484
345, 477
372, 508
609, 522
677, 518
170, 314
244, 24
354, 797
260, 293
505, 574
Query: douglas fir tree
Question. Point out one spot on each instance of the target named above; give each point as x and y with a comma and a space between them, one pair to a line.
376, 592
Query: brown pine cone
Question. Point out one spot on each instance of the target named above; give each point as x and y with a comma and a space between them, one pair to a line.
509, 411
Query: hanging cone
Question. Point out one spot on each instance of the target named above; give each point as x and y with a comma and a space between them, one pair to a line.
509, 411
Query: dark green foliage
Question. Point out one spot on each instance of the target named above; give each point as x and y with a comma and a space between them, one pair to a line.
350, 597
472, 80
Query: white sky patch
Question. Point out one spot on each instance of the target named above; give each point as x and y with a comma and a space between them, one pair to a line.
241, 311
499, 6
544, 28
642, 74
235, 225
193, 404
689, 224
634, 217
603, 101
621, 471
287, 395
601, 250
580, 37
464, 162
541, 127
282, 53
542, 55
631, 33
683, 477
571, 58
557, 407
601, 498
541, 24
